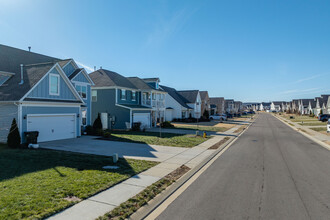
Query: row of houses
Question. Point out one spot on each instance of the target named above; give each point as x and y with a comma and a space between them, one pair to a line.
316, 106
59, 99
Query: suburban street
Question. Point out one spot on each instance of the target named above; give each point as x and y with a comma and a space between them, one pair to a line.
270, 172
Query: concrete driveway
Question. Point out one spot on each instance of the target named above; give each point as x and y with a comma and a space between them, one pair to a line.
89, 145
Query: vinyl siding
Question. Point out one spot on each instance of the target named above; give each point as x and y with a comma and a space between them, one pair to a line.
42, 90
80, 78
128, 99
7, 113
69, 69
106, 104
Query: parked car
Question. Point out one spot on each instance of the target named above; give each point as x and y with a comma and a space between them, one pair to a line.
324, 117
328, 126
222, 117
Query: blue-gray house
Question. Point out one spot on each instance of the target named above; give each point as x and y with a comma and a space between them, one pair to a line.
45, 94
121, 101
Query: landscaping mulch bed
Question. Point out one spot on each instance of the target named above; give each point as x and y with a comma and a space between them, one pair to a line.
217, 145
127, 208
242, 128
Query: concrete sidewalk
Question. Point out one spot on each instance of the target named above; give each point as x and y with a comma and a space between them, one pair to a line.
103, 202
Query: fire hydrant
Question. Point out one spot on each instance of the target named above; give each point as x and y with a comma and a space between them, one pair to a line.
204, 134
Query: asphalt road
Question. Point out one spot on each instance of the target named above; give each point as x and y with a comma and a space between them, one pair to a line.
270, 172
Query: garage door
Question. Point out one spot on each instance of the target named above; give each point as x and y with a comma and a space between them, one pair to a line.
144, 118
52, 127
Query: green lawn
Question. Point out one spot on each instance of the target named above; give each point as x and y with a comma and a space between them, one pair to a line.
167, 139
319, 129
202, 128
35, 183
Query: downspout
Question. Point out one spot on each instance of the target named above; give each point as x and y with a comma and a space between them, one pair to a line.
22, 80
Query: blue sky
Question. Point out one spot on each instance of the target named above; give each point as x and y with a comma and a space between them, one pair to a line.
246, 50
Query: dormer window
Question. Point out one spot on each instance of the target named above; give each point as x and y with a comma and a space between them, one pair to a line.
54, 84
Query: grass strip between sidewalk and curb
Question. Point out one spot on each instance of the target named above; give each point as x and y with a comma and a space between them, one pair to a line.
217, 145
133, 204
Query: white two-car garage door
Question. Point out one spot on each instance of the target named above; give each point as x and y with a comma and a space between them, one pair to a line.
52, 127
144, 118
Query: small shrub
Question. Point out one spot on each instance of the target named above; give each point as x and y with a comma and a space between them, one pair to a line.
136, 126
107, 135
97, 123
89, 130
14, 138
99, 132
166, 124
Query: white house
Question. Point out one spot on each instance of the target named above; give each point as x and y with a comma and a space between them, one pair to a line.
194, 101
176, 105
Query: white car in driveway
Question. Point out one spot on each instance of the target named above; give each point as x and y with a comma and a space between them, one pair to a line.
222, 117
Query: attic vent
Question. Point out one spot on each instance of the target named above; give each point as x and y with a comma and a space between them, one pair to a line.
4, 76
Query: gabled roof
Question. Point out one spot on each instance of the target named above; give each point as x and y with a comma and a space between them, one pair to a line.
189, 95
204, 94
216, 100
10, 61
107, 78
35, 67
305, 102
278, 102
139, 83
266, 103
176, 96
155, 79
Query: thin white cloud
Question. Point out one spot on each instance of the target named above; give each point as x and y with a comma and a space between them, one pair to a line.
294, 91
308, 78
88, 68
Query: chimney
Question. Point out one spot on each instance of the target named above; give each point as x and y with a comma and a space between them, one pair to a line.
94, 68
29, 48
100, 67
22, 80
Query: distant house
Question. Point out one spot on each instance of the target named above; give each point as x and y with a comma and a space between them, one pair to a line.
322, 105
276, 106
238, 107
194, 101
205, 102
157, 95
44, 94
229, 106
265, 106
176, 105
217, 105
119, 101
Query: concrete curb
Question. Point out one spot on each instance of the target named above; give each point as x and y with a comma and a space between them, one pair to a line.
152, 205
326, 146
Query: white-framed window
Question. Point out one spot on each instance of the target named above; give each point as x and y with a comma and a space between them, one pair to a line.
94, 95
123, 94
153, 96
54, 84
82, 90
133, 96
84, 117
157, 85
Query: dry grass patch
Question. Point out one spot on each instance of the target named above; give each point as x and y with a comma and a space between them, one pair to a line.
217, 145
126, 209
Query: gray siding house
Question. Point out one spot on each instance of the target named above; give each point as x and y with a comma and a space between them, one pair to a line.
42, 94
118, 100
